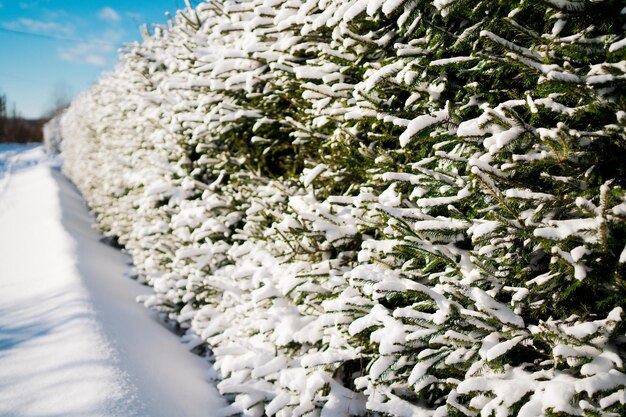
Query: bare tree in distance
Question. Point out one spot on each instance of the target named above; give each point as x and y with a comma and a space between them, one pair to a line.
59, 101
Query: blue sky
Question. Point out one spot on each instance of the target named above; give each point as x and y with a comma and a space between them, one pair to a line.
63, 46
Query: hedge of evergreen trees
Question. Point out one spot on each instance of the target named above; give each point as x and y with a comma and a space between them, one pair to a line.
400, 207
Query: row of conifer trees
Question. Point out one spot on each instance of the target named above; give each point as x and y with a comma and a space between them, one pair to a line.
400, 207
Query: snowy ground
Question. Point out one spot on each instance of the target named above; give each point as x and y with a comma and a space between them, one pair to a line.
73, 342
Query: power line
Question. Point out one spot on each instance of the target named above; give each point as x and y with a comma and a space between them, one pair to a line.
55, 37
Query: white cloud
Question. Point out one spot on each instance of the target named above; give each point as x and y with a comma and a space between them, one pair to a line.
109, 14
136, 17
97, 60
39, 26
32, 4
97, 50
90, 52
84, 53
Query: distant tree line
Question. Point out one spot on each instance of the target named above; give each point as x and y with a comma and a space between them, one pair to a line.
16, 129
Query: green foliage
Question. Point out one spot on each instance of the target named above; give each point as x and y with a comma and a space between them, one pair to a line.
413, 206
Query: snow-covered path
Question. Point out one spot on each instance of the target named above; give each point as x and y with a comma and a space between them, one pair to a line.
73, 342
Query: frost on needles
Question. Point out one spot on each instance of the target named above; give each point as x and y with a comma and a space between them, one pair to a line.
364, 207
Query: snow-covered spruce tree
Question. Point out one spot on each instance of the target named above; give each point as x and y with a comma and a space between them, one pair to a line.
52, 135
408, 207
247, 296
518, 235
